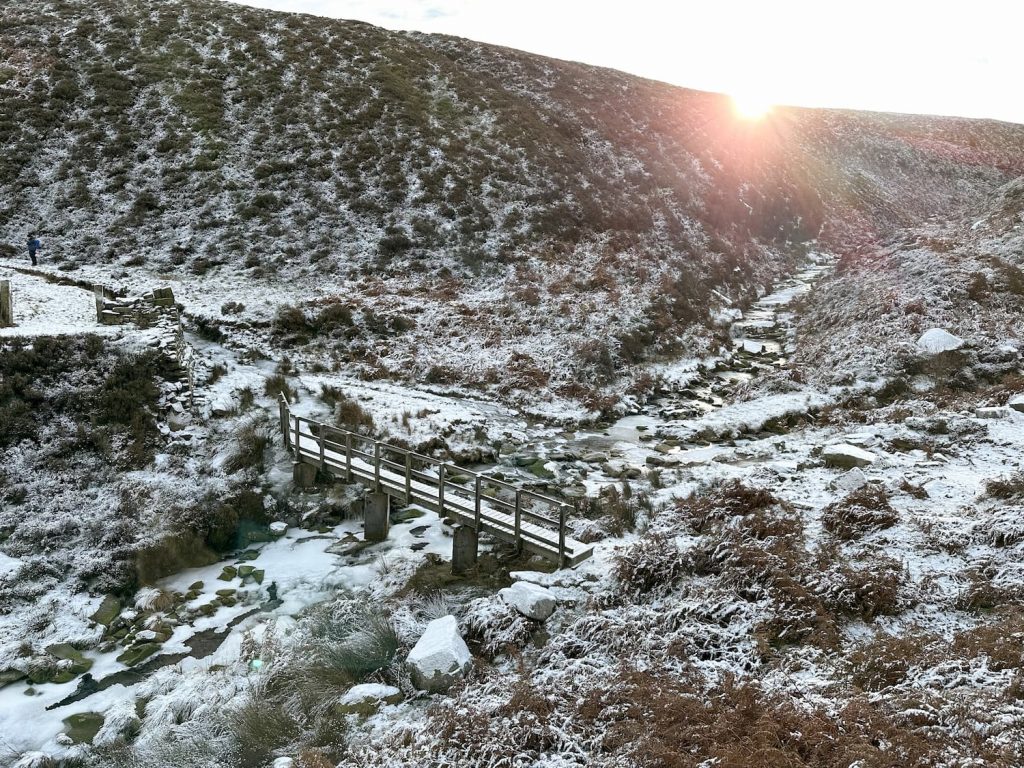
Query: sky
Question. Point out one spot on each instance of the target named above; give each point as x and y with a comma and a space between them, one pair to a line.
940, 57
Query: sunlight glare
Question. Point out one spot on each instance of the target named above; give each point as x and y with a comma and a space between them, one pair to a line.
750, 107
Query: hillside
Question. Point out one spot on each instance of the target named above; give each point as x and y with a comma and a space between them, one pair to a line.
527, 226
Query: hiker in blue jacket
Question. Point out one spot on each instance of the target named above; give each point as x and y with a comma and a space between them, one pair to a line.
33, 246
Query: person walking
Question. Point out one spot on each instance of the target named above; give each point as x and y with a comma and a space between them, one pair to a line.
33, 246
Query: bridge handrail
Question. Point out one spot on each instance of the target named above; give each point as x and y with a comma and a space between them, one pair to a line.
351, 448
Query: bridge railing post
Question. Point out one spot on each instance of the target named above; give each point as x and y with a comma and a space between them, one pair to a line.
408, 478
561, 534
348, 457
476, 504
519, 519
376, 466
440, 488
298, 438
320, 439
282, 407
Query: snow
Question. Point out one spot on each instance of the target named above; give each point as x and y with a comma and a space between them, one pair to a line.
45, 308
934, 341
8, 565
358, 694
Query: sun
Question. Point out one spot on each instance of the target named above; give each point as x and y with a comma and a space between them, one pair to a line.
750, 107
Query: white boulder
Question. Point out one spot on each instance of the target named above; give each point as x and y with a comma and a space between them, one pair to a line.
533, 601
440, 657
284, 762
1017, 403
278, 528
935, 341
846, 456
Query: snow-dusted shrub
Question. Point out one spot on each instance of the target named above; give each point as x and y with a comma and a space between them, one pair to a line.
651, 566
865, 510
1007, 487
867, 587
702, 511
1004, 528
493, 626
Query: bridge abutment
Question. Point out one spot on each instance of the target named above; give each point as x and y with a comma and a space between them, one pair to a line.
376, 516
465, 544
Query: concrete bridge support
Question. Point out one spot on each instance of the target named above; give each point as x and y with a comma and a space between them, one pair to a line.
303, 474
464, 548
376, 516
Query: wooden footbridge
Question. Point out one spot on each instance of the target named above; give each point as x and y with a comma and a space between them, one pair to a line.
478, 503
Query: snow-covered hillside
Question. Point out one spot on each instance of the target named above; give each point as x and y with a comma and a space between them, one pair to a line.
497, 211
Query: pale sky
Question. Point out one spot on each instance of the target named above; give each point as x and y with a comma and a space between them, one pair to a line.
941, 57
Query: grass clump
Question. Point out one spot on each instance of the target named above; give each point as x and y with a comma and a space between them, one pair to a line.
250, 447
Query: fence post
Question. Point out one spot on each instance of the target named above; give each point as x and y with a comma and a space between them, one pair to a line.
519, 519
476, 504
561, 535
376, 466
408, 478
298, 438
348, 457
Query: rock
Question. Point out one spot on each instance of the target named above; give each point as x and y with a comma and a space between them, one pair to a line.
68, 653
196, 586
533, 601
83, 727
138, 653
851, 481
245, 570
595, 458
366, 699
8, 676
228, 573
109, 609
440, 657
278, 528
1017, 403
257, 575
284, 762
993, 412
846, 456
935, 341
539, 469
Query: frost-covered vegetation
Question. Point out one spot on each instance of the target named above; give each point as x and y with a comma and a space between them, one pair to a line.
807, 529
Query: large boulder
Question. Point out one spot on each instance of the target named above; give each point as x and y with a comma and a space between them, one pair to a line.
533, 601
1017, 403
935, 341
846, 456
440, 657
